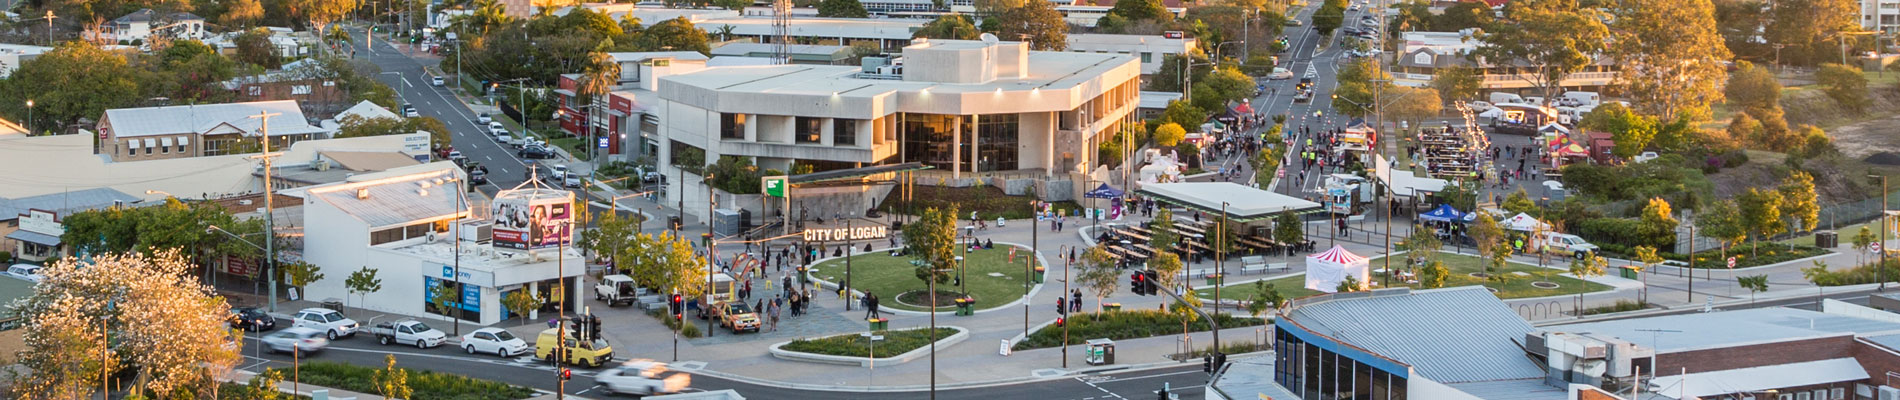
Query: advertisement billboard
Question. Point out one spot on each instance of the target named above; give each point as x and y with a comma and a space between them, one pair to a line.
533, 219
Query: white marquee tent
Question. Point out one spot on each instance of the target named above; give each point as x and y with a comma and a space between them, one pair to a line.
1324, 271
1525, 222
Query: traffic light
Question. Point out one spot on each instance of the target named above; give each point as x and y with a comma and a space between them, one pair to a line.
1153, 281
1207, 364
677, 306
593, 327
567, 374
1060, 321
1136, 283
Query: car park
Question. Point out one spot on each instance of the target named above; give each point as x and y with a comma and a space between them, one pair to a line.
252, 319
495, 341
296, 340
332, 323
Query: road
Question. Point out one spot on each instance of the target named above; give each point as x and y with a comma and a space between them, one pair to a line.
407, 76
362, 350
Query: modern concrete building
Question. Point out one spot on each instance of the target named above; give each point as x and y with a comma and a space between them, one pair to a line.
400, 223
1151, 49
1423, 54
1880, 15
966, 108
1464, 343
156, 133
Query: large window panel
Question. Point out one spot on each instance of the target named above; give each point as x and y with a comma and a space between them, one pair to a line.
732, 126
844, 132
996, 142
810, 130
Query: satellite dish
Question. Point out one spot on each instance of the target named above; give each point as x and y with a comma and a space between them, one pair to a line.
988, 38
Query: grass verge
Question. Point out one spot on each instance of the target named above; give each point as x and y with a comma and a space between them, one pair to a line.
1513, 286
426, 384
1125, 324
852, 345
990, 276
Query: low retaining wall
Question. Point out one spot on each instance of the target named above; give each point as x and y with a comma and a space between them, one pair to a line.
779, 351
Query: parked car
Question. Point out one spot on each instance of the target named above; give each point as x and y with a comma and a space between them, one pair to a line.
410, 332
296, 340
457, 157
443, 151
503, 137
535, 152
1562, 243
484, 118
252, 319
1646, 156
616, 290
332, 323
26, 272
529, 141
736, 316
495, 341
409, 110
591, 353
495, 128
572, 180
478, 176
643, 377
435, 80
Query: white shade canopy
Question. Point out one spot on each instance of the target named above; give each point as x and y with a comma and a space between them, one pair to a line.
1242, 203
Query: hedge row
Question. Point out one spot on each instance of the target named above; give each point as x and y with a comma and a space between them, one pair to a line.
852, 345
427, 385
1127, 324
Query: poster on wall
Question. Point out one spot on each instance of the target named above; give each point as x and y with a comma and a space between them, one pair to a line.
528, 222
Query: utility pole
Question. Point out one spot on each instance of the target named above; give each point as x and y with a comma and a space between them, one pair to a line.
712, 246
1220, 269
1883, 232
1030, 262
49, 31
270, 220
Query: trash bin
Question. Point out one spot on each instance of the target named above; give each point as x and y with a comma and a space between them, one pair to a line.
1213, 279
1827, 239
332, 303
966, 307
1100, 352
1039, 274
1628, 272
1111, 306
879, 324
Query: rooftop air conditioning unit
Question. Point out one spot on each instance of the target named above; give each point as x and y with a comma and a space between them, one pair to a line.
362, 193
320, 164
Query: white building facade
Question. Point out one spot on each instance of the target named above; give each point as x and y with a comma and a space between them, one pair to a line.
400, 226
965, 108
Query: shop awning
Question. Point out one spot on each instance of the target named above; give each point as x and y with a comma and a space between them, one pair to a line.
851, 173
34, 237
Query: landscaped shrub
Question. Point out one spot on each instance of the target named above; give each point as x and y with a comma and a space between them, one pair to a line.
428, 385
1127, 324
852, 345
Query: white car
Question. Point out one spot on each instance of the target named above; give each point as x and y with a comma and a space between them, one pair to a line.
1280, 74
1354, 7
26, 272
484, 118
298, 340
1561, 243
435, 80
332, 323
409, 111
643, 377
409, 332
494, 127
495, 341
559, 173
571, 180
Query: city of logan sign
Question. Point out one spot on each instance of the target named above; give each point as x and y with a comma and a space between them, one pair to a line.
847, 234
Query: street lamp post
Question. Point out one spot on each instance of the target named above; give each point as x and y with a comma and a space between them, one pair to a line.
1883, 231
29, 117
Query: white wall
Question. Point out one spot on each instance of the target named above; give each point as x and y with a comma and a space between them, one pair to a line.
335, 243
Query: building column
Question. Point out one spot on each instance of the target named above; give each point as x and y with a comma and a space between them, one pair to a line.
956, 147
1049, 144
976, 142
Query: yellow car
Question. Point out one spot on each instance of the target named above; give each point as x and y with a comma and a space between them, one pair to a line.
736, 316
592, 353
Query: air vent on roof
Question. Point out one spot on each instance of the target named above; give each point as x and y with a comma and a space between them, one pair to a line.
244, 202
362, 193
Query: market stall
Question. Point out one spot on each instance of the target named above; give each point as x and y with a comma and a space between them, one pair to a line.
1324, 271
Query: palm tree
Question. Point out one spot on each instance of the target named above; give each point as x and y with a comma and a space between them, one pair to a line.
724, 32
599, 76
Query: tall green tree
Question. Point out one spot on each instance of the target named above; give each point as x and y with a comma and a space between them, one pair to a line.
1225, 84
1287, 229
1458, 83
677, 34
1810, 27
948, 26
1631, 131
1760, 212
1464, 15
1141, 10
74, 80
1038, 22
1753, 87
1099, 274
1799, 203
1722, 221
320, 13
931, 240
842, 9
1489, 237
1551, 39
1670, 56
1163, 228
1657, 224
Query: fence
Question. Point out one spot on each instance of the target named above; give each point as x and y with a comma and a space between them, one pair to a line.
1836, 215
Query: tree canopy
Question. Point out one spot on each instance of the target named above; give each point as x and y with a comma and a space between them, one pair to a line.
1670, 56
1553, 38
952, 26
75, 80
842, 9
1038, 22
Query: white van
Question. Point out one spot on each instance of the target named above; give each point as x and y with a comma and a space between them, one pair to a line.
1582, 98
1500, 97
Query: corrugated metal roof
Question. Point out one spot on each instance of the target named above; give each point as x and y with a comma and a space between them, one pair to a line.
189, 119
1450, 335
1747, 380
64, 203
1522, 389
1728, 328
396, 201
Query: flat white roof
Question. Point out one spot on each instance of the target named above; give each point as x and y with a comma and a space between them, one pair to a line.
848, 28
1158, 100
1745, 380
483, 257
1242, 203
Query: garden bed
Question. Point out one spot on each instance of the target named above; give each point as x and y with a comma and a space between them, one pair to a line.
854, 345
987, 201
1464, 272
1121, 325
991, 277
426, 384
1768, 254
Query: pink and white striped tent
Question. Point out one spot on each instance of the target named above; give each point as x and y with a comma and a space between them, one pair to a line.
1325, 270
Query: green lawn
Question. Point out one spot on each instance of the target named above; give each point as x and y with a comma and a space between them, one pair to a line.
1461, 267
1847, 235
888, 276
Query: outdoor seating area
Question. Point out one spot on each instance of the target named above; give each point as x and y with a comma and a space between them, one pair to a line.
1450, 152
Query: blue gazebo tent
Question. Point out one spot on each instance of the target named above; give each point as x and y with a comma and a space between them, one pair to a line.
1444, 213
1104, 192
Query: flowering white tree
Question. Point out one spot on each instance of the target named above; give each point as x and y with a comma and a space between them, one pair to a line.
123, 311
